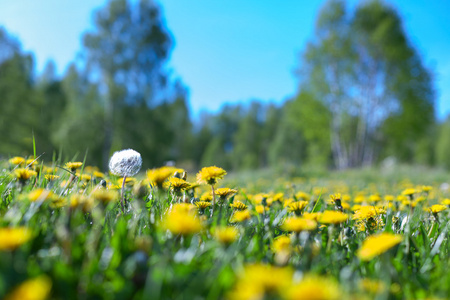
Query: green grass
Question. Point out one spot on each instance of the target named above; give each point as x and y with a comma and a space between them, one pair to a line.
101, 253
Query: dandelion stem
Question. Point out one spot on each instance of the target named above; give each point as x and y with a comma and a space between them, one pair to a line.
123, 194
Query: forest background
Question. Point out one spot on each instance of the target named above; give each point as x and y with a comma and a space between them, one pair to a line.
365, 97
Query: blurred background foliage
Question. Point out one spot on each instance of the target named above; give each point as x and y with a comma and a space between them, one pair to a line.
364, 95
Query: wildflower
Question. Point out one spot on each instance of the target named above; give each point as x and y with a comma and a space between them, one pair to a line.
446, 202
178, 184
206, 197
296, 224
240, 216
336, 199
98, 174
129, 181
226, 235
202, 204
72, 166
125, 163
302, 196
23, 174
223, 193
260, 209
367, 212
104, 196
436, 208
78, 200
12, 238
372, 286
409, 192
159, 175
183, 207
33, 289
210, 175
181, 222
259, 280
332, 217
314, 287
375, 245
238, 205
17, 160
281, 244
297, 207
51, 177
40, 195
312, 216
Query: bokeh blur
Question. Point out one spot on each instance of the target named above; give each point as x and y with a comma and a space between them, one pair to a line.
365, 96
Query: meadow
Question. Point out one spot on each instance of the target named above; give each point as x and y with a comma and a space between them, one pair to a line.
69, 231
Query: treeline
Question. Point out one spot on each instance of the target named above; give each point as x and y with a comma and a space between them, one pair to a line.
364, 95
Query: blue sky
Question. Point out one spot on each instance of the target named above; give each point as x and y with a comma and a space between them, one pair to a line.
228, 50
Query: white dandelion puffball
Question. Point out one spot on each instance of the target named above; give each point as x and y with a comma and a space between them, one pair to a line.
125, 163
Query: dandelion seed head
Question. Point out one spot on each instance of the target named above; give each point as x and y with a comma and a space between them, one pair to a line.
125, 163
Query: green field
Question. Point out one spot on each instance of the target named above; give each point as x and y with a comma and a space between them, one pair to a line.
67, 232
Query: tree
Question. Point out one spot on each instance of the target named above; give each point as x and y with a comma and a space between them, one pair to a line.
365, 71
125, 54
18, 108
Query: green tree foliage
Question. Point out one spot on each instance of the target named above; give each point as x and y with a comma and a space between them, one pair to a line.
18, 107
126, 54
443, 145
365, 71
80, 129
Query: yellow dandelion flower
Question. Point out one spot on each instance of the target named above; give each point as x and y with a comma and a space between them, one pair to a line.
372, 286
223, 193
178, 184
82, 201
98, 174
332, 217
281, 244
302, 196
31, 162
84, 177
238, 205
129, 181
33, 289
259, 280
278, 197
446, 202
184, 208
40, 194
12, 238
17, 160
207, 196
389, 198
240, 216
377, 244
436, 208
202, 204
72, 166
105, 196
159, 175
296, 224
51, 177
312, 287
183, 223
366, 212
210, 175
297, 207
312, 216
23, 174
427, 188
226, 235
409, 192
260, 209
